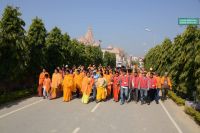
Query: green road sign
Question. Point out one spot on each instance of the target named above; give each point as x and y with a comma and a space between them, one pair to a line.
188, 21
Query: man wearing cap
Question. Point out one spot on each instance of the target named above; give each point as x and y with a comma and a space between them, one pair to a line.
166, 85
144, 87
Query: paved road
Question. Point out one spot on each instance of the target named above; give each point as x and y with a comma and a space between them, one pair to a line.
34, 115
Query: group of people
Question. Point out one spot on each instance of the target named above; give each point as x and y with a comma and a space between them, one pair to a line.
103, 83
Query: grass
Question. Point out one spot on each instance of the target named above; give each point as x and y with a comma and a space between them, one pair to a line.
15, 95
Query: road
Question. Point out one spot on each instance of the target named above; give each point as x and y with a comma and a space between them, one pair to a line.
35, 115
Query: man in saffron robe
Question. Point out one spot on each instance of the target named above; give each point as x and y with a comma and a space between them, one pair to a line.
78, 83
68, 85
116, 87
60, 79
108, 80
86, 88
158, 87
55, 84
166, 85
41, 80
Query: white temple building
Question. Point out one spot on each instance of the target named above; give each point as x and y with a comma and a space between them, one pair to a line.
88, 39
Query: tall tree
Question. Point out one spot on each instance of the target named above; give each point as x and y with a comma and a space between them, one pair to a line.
181, 59
54, 54
13, 49
36, 39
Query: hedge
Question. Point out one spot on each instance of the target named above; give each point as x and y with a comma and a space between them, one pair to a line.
178, 100
194, 113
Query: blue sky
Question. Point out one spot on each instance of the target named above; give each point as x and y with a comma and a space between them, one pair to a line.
120, 23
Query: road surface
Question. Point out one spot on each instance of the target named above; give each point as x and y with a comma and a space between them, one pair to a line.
35, 115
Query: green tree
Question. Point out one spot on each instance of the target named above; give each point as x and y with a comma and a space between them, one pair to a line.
36, 39
54, 53
13, 49
109, 59
181, 59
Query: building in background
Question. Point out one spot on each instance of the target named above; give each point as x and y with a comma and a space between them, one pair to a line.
88, 39
120, 55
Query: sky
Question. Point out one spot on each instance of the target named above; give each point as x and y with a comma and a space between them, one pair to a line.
119, 23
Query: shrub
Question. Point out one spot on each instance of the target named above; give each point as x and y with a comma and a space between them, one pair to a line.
194, 113
178, 100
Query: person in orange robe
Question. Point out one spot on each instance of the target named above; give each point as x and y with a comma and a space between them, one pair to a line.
60, 79
165, 86
116, 87
86, 88
41, 80
46, 86
55, 84
68, 85
78, 83
108, 80
158, 86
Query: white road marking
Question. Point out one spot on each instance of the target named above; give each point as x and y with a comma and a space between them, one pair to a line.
95, 107
14, 111
76, 130
170, 117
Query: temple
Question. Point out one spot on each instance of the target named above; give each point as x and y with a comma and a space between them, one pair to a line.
88, 39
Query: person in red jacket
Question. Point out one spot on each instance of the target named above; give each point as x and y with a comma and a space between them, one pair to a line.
124, 86
152, 88
130, 91
144, 87
135, 85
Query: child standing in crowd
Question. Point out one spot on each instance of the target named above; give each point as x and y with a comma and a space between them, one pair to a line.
46, 86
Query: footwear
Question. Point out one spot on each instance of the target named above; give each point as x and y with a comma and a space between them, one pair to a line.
43, 97
157, 102
148, 103
121, 103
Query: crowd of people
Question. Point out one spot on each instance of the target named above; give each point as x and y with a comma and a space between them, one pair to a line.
103, 83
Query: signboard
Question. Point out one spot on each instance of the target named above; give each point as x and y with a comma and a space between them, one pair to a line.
188, 21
